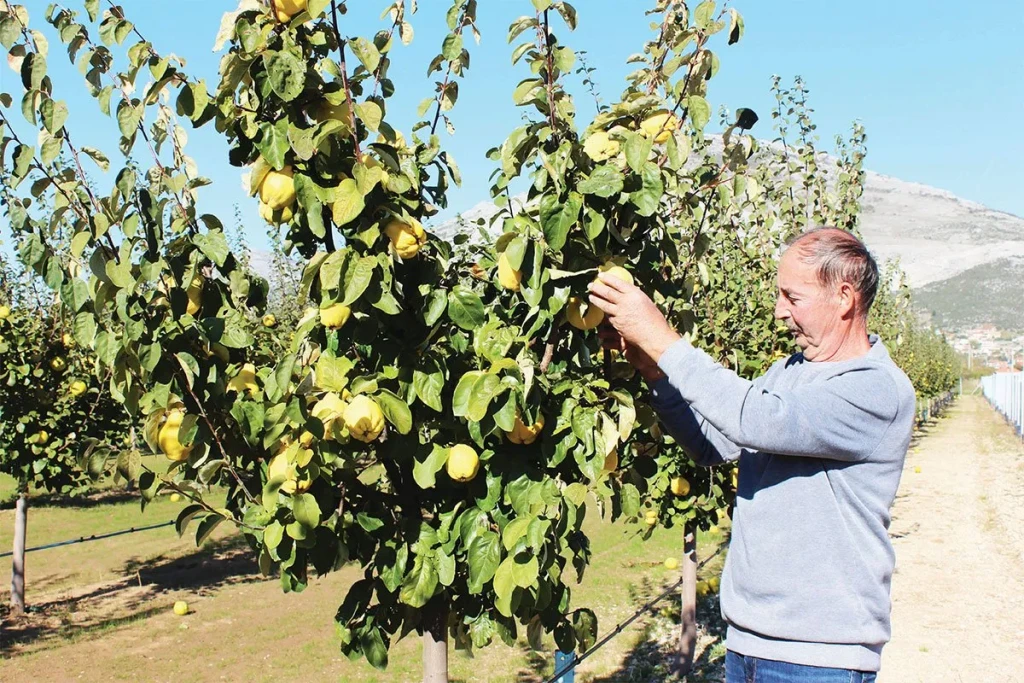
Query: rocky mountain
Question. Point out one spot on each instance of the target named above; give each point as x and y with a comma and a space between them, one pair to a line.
964, 260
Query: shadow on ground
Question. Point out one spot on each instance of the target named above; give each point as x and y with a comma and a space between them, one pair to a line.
143, 590
83, 500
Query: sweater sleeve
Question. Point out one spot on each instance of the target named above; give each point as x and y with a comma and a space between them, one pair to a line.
705, 445
841, 418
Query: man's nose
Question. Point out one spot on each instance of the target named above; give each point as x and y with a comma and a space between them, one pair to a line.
780, 310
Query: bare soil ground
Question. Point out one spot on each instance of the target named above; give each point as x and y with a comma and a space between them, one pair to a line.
958, 531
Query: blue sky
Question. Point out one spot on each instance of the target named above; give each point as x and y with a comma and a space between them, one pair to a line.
939, 85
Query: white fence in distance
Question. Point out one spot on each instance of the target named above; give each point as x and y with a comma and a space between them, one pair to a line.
1005, 391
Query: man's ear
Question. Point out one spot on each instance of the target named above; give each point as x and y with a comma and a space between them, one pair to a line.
847, 299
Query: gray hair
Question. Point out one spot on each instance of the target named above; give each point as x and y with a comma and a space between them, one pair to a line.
839, 257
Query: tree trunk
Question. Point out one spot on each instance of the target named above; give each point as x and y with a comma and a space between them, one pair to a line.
435, 644
688, 612
18, 561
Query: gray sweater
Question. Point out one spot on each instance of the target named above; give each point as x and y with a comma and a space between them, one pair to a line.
820, 449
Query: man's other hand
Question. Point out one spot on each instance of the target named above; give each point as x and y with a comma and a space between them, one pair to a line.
633, 315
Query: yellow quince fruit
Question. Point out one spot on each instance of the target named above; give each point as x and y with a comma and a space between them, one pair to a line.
599, 147
508, 277
463, 463
277, 190
195, 295
329, 409
277, 217
671, 563
245, 380
67, 340
579, 319
335, 316
680, 486
270, 320
77, 388
407, 238
57, 364
167, 437
660, 126
5, 312
284, 10
364, 418
525, 434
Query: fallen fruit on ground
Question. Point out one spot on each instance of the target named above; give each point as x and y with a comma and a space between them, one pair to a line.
181, 608
671, 563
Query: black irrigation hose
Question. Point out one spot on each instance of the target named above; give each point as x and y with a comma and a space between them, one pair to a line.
618, 629
94, 537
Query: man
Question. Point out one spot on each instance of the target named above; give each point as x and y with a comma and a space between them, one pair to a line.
820, 439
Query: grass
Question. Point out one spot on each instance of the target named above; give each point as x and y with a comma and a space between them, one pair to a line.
103, 608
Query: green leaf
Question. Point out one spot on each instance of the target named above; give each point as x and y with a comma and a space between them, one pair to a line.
704, 14
428, 381
332, 372
129, 118
515, 530
576, 493
99, 157
699, 111
557, 219
186, 515
474, 393
206, 527
286, 74
637, 148
395, 410
214, 246
419, 584
648, 197
273, 143
606, 181
735, 26
55, 114
483, 557
357, 278
370, 114
451, 48
373, 647
366, 52
465, 308
349, 203
306, 510
584, 623
424, 472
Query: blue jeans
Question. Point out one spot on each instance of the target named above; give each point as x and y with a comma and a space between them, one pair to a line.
742, 669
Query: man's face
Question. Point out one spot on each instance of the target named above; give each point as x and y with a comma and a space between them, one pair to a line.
809, 309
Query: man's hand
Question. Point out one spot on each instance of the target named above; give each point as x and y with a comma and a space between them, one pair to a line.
633, 315
643, 363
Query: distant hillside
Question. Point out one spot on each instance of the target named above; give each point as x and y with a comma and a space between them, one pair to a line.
989, 293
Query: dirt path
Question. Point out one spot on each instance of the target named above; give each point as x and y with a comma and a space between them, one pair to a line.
958, 530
